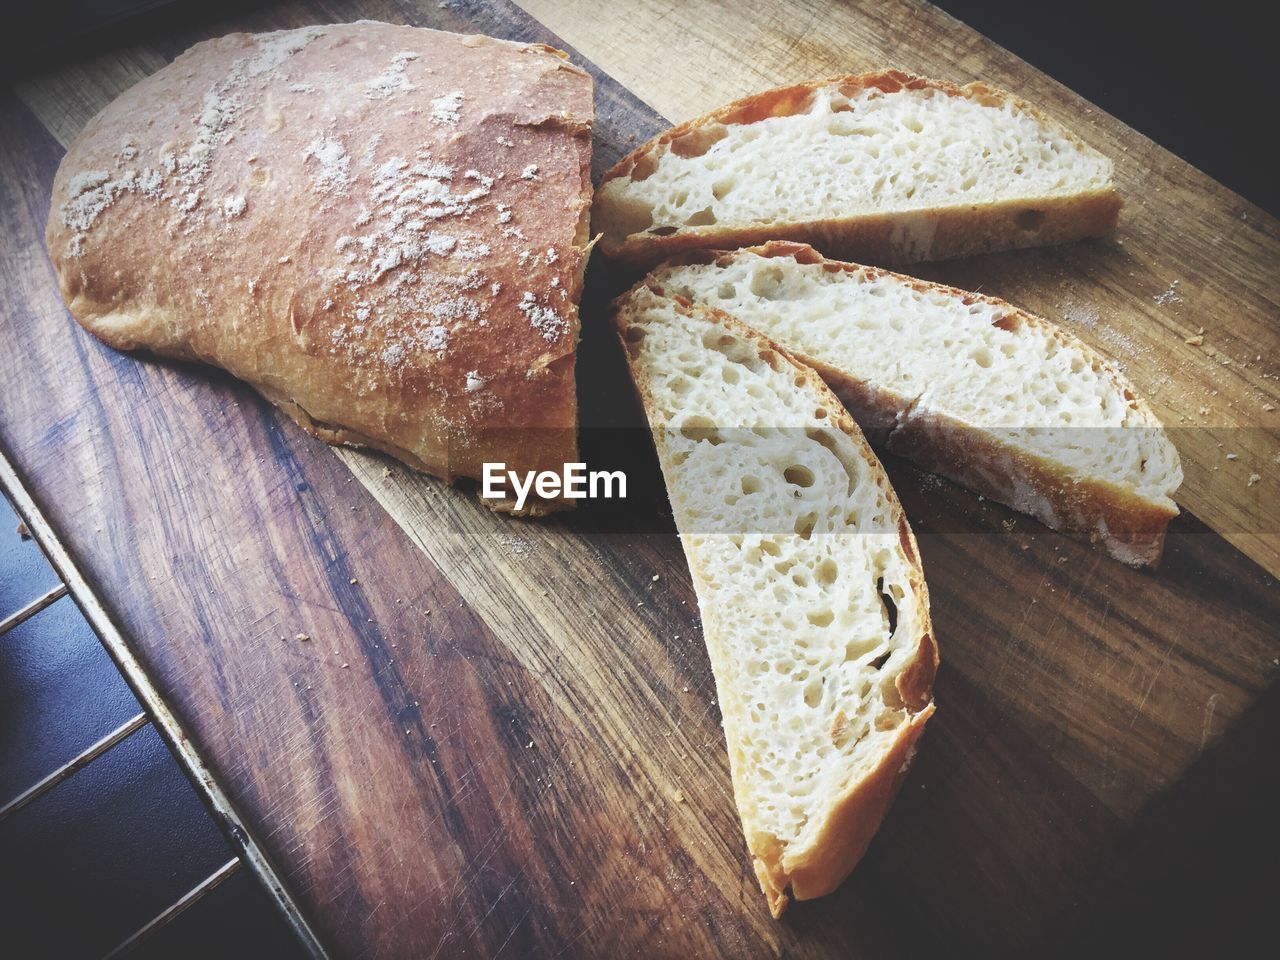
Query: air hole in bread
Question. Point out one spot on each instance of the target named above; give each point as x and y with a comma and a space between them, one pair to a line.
822, 437
703, 218
804, 525
798, 475
751, 485
828, 572
721, 188
890, 607
890, 719
821, 618
726, 291
765, 282
982, 357
701, 429
813, 692
644, 168
698, 141
665, 231
736, 350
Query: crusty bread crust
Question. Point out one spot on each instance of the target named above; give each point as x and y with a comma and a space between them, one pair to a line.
382, 228
856, 813
938, 233
1129, 526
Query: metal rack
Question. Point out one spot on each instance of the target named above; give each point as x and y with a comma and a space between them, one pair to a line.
155, 713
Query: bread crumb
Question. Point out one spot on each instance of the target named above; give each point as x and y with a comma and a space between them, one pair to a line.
1253, 478
530, 172
302, 636
1169, 296
22, 531
678, 796
1195, 341
1233, 456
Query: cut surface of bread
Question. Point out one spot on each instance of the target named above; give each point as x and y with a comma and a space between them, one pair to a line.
381, 228
968, 386
884, 167
813, 602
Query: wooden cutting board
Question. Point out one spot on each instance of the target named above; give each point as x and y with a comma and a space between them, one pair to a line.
502, 737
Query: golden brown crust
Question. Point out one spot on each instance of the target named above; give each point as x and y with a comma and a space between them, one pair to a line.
933, 234
1129, 526
855, 817
857, 812
381, 228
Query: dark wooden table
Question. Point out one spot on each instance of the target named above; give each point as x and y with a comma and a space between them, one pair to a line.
502, 737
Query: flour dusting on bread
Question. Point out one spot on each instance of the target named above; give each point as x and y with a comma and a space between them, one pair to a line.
401, 213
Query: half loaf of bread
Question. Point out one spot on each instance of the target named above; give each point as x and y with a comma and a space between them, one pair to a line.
967, 386
381, 228
813, 602
882, 167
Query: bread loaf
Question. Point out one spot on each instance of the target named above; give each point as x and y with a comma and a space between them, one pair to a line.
381, 228
966, 385
882, 167
813, 602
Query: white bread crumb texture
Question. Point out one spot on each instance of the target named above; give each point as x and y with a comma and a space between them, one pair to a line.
849, 155
977, 361
805, 590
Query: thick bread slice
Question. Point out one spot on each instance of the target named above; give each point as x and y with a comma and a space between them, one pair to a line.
383, 229
968, 386
882, 167
813, 602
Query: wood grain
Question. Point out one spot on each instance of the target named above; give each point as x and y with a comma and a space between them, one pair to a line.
501, 737
1178, 226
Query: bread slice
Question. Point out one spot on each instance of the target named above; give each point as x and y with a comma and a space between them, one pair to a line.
381, 228
882, 167
968, 386
813, 602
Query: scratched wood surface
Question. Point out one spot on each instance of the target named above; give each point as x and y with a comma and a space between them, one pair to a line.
501, 737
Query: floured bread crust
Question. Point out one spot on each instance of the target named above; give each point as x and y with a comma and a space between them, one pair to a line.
381, 228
